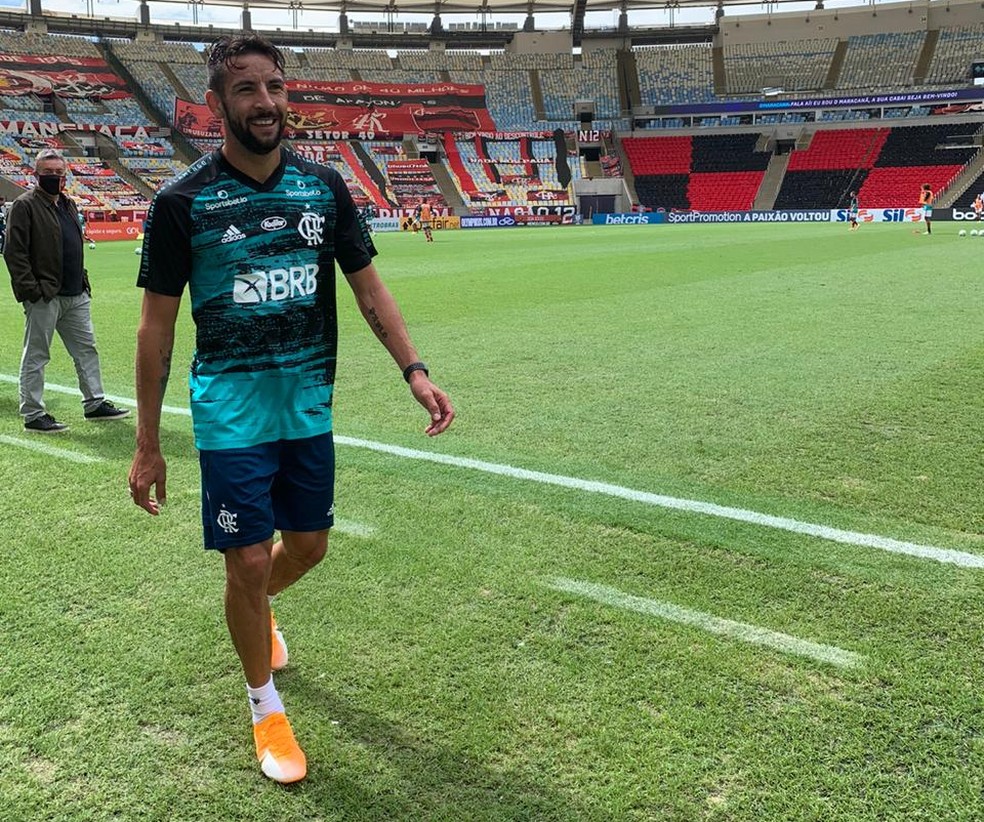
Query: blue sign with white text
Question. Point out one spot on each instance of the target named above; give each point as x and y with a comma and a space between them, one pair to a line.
646, 218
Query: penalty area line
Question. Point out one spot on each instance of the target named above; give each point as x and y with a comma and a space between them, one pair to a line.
858, 539
742, 631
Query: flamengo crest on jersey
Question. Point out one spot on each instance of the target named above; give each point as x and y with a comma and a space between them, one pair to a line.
311, 227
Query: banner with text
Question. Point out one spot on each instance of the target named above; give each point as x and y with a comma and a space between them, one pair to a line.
35, 135
354, 110
820, 216
944, 99
64, 76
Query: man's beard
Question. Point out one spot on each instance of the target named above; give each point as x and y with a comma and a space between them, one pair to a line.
253, 144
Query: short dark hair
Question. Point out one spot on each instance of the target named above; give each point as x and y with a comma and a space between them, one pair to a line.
224, 52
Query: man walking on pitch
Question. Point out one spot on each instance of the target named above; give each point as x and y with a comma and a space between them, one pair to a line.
254, 232
852, 211
926, 203
44, 255
424, 216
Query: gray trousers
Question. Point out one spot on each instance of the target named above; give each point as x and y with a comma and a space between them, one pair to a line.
70, 317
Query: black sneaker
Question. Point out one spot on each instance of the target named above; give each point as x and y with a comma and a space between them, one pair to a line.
45, 424
106, 411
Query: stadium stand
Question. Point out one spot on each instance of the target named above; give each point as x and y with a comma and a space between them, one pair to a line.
840, 149
835, 163
885, 166
725, 171
154, 64
955, 48
674, 74
592, 79
508, 91
880, 60
911, 156
658, 155
46, 45
706, 172
795, 65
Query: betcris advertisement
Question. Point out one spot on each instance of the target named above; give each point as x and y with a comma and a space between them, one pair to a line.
648, 218
883, 215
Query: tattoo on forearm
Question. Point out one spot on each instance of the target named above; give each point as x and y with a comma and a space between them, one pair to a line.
377, 324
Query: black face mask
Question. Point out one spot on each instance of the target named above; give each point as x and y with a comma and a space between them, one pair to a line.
50, 183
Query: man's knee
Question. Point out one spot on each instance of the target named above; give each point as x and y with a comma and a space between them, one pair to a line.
248, 567
305, 549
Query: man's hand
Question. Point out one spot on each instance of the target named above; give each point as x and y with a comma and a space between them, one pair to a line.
434, 400
149, 470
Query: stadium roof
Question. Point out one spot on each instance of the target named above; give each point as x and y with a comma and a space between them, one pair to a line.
467, 6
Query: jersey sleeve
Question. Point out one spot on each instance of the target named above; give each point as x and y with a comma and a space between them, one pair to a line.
354, 248
166, 262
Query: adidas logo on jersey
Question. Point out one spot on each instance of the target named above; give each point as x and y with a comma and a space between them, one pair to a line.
232, 235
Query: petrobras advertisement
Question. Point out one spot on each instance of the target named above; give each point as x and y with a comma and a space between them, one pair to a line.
802, 216
385, 224
647, 218
883, 215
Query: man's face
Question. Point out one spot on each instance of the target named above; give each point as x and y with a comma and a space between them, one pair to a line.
51, 167
253, 103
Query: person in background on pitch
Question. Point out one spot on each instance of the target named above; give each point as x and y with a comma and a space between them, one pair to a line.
44, 252
852, 211
368, 215
978, 207
926, 202
262, 296
85, 232
424, 217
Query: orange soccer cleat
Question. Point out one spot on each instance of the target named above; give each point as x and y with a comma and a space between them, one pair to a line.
281, 758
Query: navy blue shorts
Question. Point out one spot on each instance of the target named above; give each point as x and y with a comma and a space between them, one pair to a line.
248, 493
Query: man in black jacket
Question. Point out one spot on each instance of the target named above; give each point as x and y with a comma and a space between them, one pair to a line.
43, 251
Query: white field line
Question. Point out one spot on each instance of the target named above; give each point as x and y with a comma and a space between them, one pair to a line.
945, 555
353, 529
64, 389
742, 631
50, 450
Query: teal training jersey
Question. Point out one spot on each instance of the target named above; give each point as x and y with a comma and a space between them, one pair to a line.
258, 262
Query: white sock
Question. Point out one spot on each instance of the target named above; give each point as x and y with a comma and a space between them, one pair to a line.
264, 701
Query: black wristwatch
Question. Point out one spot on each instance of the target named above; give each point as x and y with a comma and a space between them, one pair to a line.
414, 366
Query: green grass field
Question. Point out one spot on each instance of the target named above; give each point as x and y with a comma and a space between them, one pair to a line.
487, 644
